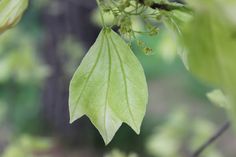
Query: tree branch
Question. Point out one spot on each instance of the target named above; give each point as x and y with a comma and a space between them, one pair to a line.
166, 6
220, 132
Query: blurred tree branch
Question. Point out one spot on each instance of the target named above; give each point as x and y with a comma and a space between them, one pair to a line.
62, 19
220, 132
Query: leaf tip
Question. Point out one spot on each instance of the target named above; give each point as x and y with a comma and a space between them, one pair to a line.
137, 131
106, 142
106, 138
71, 120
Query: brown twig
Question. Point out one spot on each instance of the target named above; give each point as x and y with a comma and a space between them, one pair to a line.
224, 128
166, 6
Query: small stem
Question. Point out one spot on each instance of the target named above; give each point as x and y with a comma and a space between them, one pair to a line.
101, 13
211, 140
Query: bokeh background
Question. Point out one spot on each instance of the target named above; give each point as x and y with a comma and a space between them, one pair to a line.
37, 61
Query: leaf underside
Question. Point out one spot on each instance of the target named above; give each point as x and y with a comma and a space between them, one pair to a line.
109, 86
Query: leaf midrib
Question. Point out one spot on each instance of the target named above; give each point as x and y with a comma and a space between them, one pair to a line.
108, 86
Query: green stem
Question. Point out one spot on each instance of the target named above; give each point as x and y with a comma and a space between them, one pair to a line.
101, 13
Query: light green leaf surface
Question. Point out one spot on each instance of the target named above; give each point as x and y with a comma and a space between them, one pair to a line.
210, 39
109, 86
11, 12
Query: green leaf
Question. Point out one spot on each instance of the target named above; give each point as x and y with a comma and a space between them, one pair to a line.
174, 21
109, 86
210, 40
11, 12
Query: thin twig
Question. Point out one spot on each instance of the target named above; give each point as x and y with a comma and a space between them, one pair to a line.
224, 128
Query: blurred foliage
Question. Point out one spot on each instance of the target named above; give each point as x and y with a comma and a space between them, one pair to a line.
181, 135
18, 60
28, 146
108, 17
218, 98
168, 47
153, 63
212, 59
166, 141
118, 153
20, 78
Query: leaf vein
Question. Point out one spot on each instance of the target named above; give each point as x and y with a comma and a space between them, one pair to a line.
90, 74
125, 81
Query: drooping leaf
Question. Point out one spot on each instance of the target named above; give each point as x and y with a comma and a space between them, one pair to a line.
174, 21
109, 86
11, 12
211, 47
